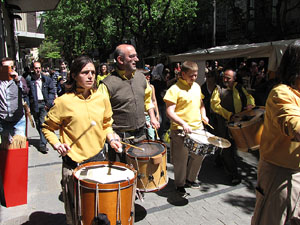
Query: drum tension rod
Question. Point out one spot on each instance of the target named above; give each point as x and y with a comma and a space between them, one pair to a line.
151, 178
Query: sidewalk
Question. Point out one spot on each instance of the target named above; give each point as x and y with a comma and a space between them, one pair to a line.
216, 203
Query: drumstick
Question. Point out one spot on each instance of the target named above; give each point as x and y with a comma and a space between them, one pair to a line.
207, 124
93, 123
157, 137
124, 143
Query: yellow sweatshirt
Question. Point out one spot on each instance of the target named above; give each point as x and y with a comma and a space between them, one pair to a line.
72, 115
282, 121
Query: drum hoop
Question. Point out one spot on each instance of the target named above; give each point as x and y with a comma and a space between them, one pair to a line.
146, 158
245, 124
239, 124
112, 186
106, 189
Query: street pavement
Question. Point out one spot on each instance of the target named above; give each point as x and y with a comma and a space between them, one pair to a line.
215, 203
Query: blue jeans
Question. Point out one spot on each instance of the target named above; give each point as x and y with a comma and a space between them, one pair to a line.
9, 129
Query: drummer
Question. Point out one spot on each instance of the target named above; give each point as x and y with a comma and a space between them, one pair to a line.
278, 176
225, 102
186, 110
84, 118
130, 97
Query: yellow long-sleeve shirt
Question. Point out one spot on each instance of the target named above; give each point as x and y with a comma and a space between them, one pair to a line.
282, 121
215, 102
72, 115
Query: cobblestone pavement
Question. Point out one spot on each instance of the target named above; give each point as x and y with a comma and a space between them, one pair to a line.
215, 203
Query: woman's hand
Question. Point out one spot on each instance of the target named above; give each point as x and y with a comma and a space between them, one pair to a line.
114, 142
62, 149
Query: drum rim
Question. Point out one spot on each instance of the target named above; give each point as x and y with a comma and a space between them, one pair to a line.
239, 124
147, 158
105, 187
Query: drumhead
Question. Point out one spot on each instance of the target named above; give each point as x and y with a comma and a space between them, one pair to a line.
201, 136
150, 149
248, 117
100, 174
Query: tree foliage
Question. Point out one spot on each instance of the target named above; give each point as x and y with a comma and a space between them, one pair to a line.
49, 50
86, 26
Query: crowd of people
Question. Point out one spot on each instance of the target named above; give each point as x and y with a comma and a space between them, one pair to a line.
126, 105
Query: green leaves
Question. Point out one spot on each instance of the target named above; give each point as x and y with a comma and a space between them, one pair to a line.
86, 26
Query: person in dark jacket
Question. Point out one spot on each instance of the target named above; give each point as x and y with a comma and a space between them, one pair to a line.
41, 96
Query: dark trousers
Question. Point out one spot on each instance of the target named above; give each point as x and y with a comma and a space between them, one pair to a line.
226, 156
39, 118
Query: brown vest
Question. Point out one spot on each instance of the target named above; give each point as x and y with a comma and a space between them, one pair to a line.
127, 101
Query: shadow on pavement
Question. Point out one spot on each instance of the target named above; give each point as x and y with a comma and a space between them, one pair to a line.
245, 203
140, 212
173, 197
211, 175
44, 218
34, 142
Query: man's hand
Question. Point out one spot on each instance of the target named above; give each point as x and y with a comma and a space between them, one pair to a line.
14, 75
205, 119
62, 149
186, 128
249, 107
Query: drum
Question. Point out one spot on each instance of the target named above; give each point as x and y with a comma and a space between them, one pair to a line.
106, 188
151, 165
198, 142
246, 128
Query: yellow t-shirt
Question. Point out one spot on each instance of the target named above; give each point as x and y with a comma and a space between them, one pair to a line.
72, 115
188, 101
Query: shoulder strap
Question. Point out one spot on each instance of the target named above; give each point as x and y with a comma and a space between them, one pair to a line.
242, 95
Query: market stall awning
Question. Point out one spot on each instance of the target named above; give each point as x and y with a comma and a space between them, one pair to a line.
32, 5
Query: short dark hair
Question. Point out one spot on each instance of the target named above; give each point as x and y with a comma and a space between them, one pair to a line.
76, 67
289, 68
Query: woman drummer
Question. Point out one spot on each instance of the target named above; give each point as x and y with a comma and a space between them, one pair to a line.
84, 118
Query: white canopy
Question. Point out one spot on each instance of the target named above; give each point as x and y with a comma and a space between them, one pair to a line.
273, 50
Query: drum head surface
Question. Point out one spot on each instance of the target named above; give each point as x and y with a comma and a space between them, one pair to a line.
200, 136
150, 149
104, 174
247, 117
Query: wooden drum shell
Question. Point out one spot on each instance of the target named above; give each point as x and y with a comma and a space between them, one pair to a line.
155, 166
107, 196
247, 135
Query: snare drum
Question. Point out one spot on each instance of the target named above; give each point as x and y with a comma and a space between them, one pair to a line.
105, 188
151, 165
246, 128
198, 143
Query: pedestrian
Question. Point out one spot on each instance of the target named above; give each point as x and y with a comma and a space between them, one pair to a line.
12, 117
41, 97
